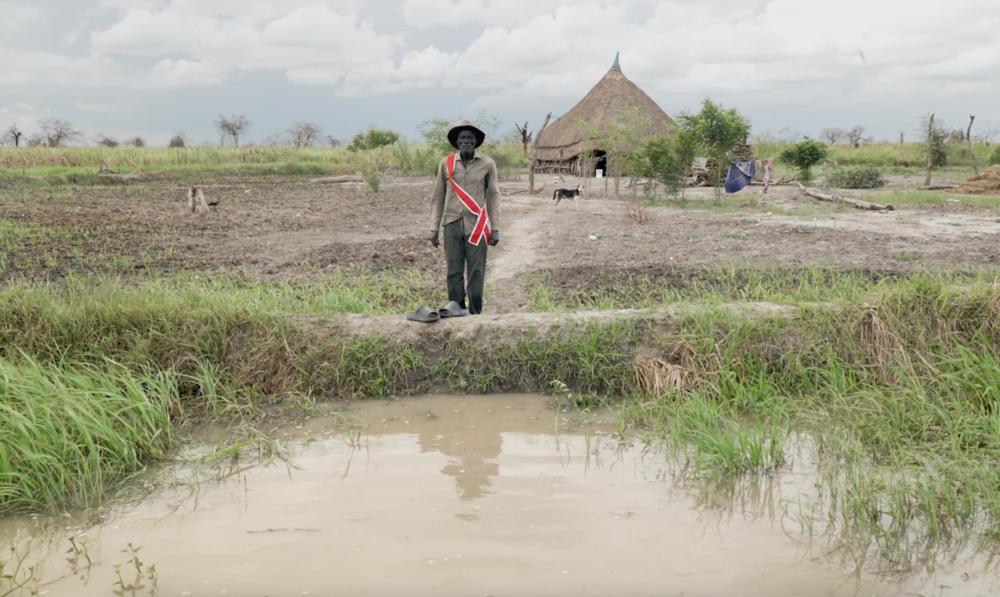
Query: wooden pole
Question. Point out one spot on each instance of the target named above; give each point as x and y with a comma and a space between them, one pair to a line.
534, 159
930, 150
968, 139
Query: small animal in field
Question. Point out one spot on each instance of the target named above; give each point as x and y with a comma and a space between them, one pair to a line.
560, 194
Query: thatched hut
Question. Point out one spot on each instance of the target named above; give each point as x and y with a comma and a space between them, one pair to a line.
572, 143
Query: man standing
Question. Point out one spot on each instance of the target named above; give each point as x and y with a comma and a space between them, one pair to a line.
465, 206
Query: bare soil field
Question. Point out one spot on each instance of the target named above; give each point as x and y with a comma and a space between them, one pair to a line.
294, 229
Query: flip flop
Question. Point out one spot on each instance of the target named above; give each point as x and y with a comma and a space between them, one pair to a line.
423, 315
452, 309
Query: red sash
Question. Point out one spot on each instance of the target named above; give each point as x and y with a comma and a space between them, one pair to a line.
482, 227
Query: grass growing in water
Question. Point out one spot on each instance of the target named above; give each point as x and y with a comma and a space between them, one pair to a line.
70, 430
901, 394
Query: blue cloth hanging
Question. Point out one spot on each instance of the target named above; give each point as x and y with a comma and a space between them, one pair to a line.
739, 175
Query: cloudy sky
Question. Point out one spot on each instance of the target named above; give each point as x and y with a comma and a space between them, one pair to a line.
793, 67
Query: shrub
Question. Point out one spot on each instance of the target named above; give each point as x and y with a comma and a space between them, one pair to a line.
373, 138
804, 156
995, 156
856, 178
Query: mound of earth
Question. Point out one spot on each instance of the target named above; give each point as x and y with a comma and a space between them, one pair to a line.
987, 182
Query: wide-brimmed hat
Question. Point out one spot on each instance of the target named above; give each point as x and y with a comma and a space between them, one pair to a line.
461, 125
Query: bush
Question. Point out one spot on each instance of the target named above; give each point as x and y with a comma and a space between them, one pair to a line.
856, 178
373, 138
804, 156
995, 156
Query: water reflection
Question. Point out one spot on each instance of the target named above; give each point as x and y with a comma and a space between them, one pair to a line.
534, 508
473, 454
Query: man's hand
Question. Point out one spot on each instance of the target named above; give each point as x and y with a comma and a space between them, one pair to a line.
434, 239
494, 237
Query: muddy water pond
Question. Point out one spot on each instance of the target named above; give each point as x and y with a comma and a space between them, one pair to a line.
446, 495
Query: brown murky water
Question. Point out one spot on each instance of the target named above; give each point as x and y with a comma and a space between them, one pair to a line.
443, 496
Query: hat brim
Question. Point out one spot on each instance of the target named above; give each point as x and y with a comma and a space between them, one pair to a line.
453, 134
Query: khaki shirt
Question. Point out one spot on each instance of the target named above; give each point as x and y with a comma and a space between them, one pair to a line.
479, 180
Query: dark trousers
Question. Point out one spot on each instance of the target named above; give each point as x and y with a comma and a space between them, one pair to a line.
466, 263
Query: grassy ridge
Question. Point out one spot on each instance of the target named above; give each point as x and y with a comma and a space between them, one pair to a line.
898, 382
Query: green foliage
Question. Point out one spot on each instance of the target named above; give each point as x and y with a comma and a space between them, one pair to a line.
666, 159
935, 142
718, 132
71, 429
435, 133
856, 178
407, 159
372, 139
804, 155
995, 156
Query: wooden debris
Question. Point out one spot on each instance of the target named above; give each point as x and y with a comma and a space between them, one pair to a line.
338, 179
938, 187
196, 201
857, 203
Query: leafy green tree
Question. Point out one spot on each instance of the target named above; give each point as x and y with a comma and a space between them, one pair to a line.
667, 160
372, 138
804, 156
435, 134
718, 132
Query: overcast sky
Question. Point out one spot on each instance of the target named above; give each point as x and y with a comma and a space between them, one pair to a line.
792, 67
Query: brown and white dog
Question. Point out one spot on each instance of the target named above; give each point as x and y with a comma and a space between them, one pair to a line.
560, 194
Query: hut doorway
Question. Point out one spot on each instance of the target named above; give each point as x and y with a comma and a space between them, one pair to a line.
600, 161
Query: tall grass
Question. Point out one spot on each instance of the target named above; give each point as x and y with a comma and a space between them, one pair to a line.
70, 430
81, 164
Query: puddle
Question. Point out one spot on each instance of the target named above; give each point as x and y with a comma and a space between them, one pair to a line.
446, 496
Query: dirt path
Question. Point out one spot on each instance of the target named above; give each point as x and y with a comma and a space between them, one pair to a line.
521, 236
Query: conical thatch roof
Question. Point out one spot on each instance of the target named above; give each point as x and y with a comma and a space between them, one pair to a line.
613, 98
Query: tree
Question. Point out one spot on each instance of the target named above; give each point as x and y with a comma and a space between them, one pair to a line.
58, 132
332, 142
804, 156
177, 141
718, 132
106, 140
435, 134
832, 135
667, 160
525, 135
136, 142
372, 138
855, 135
304, 134
12, 135
935, 137
232, 127
988, 134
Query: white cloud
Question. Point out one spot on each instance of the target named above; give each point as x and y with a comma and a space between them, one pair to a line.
185, 73
16, 15
789, 52
44, 69
314, 43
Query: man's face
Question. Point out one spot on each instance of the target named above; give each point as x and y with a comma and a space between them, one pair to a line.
466, 141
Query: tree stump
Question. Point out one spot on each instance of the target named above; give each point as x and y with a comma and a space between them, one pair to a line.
196, 200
